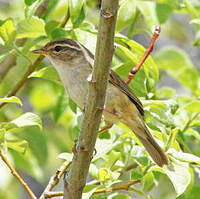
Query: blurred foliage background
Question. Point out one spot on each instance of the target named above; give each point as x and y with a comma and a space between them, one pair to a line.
39, 126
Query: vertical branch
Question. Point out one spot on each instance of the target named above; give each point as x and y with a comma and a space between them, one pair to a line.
76, 179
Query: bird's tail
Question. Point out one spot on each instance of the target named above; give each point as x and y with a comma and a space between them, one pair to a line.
152, 147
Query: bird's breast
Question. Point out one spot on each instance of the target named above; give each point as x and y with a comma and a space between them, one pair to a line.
75, 82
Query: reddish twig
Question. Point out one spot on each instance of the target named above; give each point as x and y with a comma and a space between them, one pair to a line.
147, 53
15, 174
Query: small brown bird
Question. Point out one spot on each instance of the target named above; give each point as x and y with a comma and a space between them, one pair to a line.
74, 63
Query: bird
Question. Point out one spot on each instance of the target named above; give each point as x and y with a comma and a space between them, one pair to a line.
74, 64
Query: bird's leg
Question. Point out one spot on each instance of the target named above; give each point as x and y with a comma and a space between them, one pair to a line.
108, 126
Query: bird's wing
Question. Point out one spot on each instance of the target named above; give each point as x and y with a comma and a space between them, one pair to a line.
119, 83
116, 81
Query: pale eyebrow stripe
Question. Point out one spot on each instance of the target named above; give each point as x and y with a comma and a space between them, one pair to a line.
66, 45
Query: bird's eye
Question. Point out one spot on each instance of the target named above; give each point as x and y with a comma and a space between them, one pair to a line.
58, 48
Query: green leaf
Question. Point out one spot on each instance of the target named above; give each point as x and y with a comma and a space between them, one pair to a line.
136, 174
178, 65
31, 7
61, 105
186, 157
148, 10
77, 12
163, 12
66, 156
12, 99
148, 182
2, 137
50, 26
197, 39
165, 92
193, 107
58, 33
29, 2
19, 146
130, 53
27, 119
112, 159
72, 105
103, 174
37, 143
179, 176
195, 21
158, 114
126, 14
7, 31
89, 190
34, 27
48, 73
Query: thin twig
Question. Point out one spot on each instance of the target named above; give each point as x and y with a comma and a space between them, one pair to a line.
54, 180
42, 8
32, 67
15, 174
121, 187
147, 53
103, 190
52, 194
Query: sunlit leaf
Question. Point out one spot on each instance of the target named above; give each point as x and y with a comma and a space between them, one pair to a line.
163, 12
7, 31
113, 157
77, 11
103, 174
186, 157
148, 10
179, 176
48, 73
34, 27
19, 146
12, 99
66, 156
148, 182
29, 2
126, 14
193, 107
178, 65
28, 119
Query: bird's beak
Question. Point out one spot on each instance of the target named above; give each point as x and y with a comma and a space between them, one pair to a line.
41, 51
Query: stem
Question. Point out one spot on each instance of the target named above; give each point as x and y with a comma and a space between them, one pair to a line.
15, 174
103, 190
147, 53
54, 180
76, 179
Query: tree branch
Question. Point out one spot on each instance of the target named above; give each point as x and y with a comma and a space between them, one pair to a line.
15, 174
54, 180
76, 179
32, 67
42, 8
121, 187
147, 53
103, 190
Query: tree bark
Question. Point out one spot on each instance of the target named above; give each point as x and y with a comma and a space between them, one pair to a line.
76, 179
